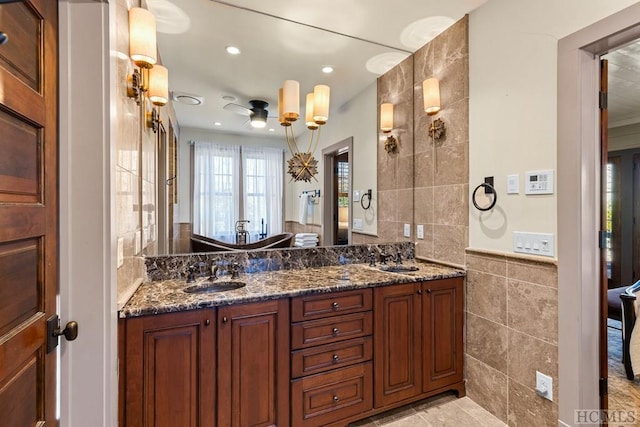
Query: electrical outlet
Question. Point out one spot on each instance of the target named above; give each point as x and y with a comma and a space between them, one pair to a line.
420, 231
544, 385
407, 230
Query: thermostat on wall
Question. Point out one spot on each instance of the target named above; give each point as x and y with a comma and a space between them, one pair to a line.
539, 182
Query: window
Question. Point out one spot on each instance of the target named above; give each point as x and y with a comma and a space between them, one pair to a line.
234, 183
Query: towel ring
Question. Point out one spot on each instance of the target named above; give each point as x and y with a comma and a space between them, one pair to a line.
488, 189
368, 196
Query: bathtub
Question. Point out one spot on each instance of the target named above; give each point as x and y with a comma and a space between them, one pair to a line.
207, 244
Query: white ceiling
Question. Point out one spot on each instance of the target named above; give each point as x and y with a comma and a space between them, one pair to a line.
624, 85
276, 49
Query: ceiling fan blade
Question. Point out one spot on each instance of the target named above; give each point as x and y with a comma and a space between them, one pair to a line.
238, 109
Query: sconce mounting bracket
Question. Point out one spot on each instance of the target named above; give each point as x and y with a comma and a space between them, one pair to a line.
437, 129
391, 144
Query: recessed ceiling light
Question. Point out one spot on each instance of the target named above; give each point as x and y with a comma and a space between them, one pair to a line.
272, 130
217, 124
229, 98
327, 69
233, 50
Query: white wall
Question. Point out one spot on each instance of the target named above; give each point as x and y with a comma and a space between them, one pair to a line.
624, 137
512, 106
356, 118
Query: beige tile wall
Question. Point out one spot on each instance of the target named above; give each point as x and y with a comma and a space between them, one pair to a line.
512, 331
426, 183
442, 167
135, 167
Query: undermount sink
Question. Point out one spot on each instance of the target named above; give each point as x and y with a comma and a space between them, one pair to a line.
398, 268
213, 287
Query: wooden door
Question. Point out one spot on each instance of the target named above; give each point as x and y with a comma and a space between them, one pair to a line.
28, 211
636, 218
603, 282
442, 320
170, 370
253, 365
397, 344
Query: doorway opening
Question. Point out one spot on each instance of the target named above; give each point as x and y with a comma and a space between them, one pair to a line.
620, 158
338, 178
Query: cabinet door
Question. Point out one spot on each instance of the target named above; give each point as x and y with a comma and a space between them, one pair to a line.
170, 370
443, 311
253, 364
397, 344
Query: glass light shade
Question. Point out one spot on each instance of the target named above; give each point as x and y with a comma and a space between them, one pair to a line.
280, 106
142, 37
159, 85
291, 100
386, 117
308, 113
321, 104
431, 94
258, 122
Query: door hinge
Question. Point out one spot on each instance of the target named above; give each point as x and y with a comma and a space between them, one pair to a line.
602, 239
604, 386
603, 100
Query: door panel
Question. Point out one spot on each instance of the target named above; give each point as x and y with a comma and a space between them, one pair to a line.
398, 358
28, 211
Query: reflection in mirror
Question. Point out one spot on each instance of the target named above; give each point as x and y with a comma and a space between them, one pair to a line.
212, 90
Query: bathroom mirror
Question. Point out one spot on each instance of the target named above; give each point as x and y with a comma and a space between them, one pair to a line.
192, 46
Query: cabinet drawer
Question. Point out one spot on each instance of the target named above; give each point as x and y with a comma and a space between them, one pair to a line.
321, 399
332, 329
331, 356
320, 306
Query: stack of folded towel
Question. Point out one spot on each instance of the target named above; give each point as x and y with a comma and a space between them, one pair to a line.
306, 240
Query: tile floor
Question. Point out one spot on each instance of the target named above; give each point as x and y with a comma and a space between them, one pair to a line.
440, 411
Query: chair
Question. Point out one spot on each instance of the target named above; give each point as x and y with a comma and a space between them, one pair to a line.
629, 317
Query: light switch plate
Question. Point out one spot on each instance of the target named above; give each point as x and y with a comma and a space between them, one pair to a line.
356, 195
544, 386
534, 243
420, 231
357, 223
513, 184
120, 251
407, 230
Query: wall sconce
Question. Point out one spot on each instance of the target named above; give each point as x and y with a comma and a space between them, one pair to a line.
158, 92
302, 164
386, 126
142, 50
431, 95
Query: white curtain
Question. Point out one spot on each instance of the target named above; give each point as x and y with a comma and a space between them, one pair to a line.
263, 174
216, 190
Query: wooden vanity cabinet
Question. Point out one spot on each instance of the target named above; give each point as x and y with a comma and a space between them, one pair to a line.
170, 362
418, 340
253, 365
200, 368
332, 373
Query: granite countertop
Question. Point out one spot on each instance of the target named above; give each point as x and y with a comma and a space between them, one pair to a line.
169, 295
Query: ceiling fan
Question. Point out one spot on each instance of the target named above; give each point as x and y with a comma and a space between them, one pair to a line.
257, 114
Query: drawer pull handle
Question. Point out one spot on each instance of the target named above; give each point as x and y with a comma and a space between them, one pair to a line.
224, 319
336, 358
335, 331
207, 322
428, 291
419, 291
336, 398
335, 305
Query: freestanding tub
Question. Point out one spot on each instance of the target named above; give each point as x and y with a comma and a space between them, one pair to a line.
207, 244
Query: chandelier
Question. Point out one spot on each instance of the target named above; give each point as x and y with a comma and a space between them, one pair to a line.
302, 165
